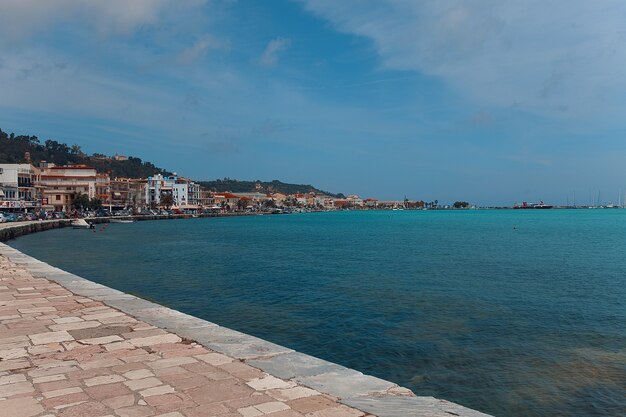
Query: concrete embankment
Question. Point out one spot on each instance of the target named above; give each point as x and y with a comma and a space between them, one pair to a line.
280, 372
13, 230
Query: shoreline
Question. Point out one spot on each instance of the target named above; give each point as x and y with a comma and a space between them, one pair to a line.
352, 388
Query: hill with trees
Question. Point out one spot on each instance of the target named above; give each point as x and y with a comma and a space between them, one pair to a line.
275, 186
13, 151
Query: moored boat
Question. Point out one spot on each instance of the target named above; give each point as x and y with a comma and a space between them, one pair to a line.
525, 205
81, 224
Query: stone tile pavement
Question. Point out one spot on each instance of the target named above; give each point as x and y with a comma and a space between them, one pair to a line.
67, 355
72, 347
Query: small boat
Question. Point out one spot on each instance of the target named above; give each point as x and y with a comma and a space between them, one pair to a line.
81, 224
121, 221
539, 205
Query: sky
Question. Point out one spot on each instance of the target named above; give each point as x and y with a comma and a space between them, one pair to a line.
487, 101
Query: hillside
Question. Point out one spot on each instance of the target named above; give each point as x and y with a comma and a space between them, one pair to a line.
274, 186
13, 149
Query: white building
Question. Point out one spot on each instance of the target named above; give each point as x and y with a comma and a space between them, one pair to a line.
17, 186
157, 187
181, 194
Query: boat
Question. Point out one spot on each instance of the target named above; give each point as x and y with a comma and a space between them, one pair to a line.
541, 205
121, 221
525, 206
81, 224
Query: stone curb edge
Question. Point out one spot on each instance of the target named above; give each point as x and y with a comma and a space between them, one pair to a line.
353, 388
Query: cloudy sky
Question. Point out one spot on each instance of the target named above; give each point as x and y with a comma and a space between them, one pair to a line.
488, 101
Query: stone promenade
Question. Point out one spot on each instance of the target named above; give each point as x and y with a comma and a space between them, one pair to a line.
68, 356
70, 347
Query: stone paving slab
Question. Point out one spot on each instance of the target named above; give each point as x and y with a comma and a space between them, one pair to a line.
62, 356
72, 347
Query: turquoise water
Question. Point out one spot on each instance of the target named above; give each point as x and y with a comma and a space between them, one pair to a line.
460, 305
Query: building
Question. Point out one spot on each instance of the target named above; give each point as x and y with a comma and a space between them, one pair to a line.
103, 189
206, 199
18, 186
61, 184
128, 193
186, 194
227, 201
370, 203
195, 194
157, 187
180, 192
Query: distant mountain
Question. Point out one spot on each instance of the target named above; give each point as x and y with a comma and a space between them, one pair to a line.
275, 186
13, 150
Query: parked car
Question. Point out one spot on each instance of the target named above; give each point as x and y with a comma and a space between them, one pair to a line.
10, 217
2, 218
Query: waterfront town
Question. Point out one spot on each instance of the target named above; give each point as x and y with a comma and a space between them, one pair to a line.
45, 189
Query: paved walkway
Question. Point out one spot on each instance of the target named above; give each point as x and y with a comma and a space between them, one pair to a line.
70, 356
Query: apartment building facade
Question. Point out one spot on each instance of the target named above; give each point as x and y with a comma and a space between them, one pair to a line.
61, 184
18, 186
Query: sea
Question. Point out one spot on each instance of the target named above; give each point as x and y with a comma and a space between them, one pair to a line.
510, 312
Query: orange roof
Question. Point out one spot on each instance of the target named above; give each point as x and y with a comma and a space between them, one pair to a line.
225, 195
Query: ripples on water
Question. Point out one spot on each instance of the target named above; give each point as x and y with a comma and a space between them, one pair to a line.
459, 305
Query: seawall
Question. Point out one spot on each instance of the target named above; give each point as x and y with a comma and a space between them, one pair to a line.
12, 230
367, 393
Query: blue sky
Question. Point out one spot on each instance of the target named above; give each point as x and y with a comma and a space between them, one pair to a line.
487, 101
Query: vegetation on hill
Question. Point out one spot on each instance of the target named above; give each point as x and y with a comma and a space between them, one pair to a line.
13, 150
275, 186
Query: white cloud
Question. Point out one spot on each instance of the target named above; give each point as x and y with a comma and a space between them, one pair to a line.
20, 19
272, 51
204, 44
552, 57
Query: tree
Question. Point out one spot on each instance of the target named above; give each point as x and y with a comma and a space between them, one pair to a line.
76, 151
80, 202
242, 204
167, 201
83, 202
460, 204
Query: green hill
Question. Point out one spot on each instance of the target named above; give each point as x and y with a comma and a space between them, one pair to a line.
13, 150
275, 186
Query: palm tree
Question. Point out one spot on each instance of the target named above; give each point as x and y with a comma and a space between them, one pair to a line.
242, 204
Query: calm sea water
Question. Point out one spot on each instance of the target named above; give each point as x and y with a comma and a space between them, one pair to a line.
528, 321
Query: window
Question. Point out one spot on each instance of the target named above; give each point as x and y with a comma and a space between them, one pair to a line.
57, 197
